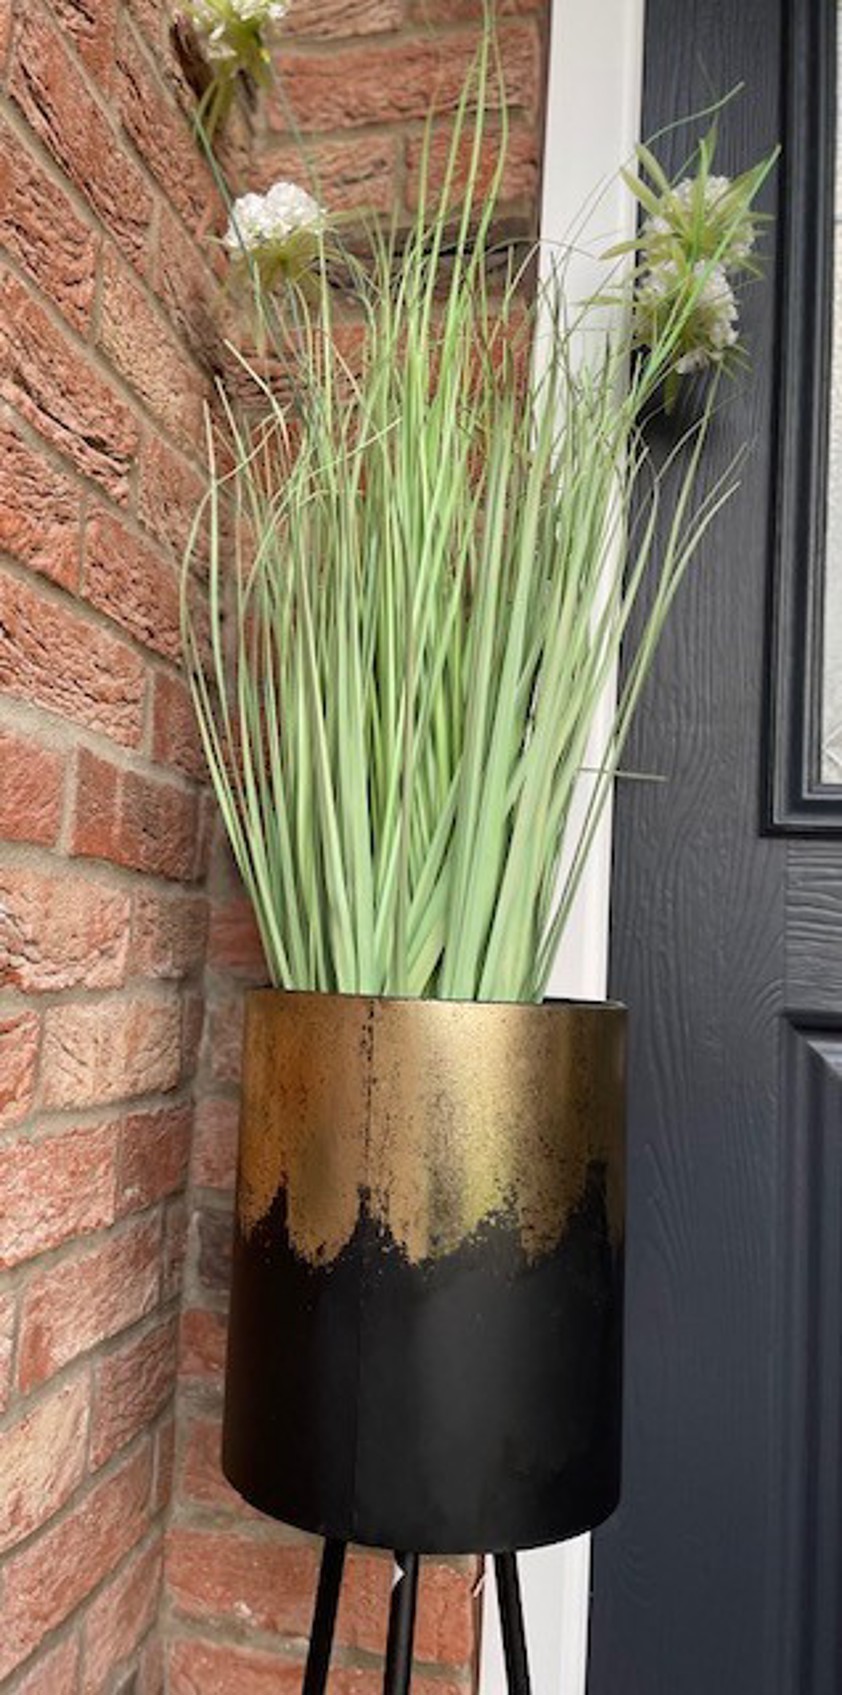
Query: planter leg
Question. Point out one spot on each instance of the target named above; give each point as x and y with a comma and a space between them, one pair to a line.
401, 1626
324, 1618
511, 1624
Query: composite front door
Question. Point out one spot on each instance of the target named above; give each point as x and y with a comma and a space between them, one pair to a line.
722, 1572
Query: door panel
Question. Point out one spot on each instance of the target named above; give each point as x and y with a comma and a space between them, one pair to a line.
720, 1573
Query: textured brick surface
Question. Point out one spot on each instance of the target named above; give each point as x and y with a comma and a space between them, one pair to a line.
80, 133
399, 80
86, 1298
31, 790
132, 582
52, 658
40, 511
42, 1459
121, 1615
54, 1188
154, 1149
53, 1672
57, 932
112, 321
110, 1050
19, 1037
52, 383
45, 234
131, 1387
45, 1582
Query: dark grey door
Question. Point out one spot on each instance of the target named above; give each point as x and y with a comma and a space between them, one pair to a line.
722, 1572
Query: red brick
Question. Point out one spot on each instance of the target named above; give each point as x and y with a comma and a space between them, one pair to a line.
333, 19
446, 1625
196, 1667
19, 1038
164, 1459
138, 342
134, 820
202, 1344
31, 790
349, 175
90, 26
234, 940
163, 138
226, 1576
54, 386
398, 80
130, 581
175, 1249
190, 292
151, 18
169, 934
159, 827
225, 1039
520, 176
53, 658
8, 1311
215, 1143
153, 1156
55, 1187
176, 742
200, 1478
42, 1461
472, 11
150, 1666
85, 1298
131, 1388
61, 932
169, 494
54, 98
192, 1030
39, 512
44, 233
119, 1618
110, 1050
96, 818
54, 1673
45, 1582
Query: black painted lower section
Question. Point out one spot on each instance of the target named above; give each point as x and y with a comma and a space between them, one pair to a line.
469, 1404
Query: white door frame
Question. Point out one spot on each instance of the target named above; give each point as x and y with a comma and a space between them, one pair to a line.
593, 117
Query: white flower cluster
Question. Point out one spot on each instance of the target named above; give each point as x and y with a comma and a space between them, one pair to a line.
218, 22
717, 213
266, 222
694, 217
713, 325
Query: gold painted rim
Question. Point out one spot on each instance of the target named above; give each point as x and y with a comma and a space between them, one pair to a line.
435, 1117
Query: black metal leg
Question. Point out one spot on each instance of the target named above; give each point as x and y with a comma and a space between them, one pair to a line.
511, 1624
324, 1618
401, 1626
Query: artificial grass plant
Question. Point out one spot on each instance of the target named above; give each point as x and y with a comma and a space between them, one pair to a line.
425, 546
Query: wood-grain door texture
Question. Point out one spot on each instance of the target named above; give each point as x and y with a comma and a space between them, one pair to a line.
721, 1573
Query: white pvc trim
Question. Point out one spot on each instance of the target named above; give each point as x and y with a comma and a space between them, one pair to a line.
593, 118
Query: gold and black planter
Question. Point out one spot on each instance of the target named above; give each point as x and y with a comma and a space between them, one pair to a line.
426, 1314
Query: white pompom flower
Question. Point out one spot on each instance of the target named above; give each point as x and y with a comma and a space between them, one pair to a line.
278, 232
706, 213
232, 30
701, 297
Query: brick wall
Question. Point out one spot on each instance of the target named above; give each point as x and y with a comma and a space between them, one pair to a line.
106, 299
119, 913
